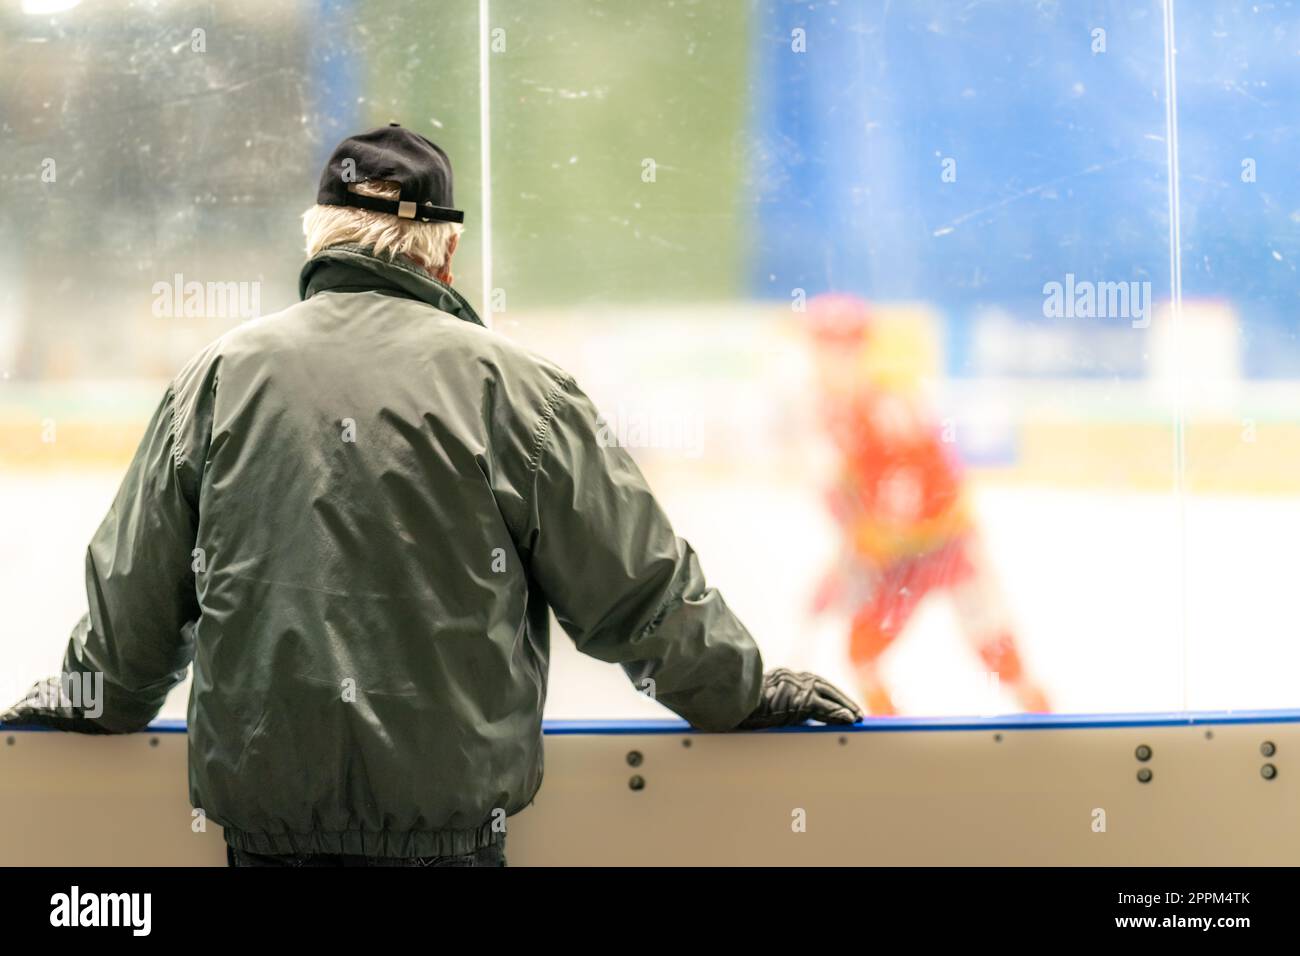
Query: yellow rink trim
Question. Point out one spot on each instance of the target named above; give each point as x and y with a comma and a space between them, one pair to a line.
68, 445
1222, 458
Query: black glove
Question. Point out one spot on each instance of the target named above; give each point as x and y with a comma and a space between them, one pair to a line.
46, 706
791, 697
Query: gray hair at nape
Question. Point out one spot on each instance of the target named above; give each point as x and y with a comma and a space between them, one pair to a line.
427, 243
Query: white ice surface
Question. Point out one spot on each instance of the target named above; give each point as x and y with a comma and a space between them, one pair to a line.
1093, 580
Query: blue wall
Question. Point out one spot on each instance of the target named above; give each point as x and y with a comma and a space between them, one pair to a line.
1061, 162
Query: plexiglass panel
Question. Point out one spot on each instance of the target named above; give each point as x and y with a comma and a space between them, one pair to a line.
882, 297
152, 150
1004, 532
1240, 203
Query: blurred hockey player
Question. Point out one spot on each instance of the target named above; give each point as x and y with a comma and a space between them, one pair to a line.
899, 500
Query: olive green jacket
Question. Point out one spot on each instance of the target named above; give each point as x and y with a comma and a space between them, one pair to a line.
352, 517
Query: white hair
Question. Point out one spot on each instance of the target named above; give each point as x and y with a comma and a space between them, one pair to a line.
427, 243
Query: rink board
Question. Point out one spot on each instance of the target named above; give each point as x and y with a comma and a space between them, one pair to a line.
1006, 790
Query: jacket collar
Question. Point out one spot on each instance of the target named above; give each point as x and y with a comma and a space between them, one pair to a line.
353, 268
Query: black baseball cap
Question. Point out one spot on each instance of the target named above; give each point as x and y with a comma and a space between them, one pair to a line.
393, 153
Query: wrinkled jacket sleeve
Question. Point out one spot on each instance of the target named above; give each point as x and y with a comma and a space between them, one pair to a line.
140, 588
623, 585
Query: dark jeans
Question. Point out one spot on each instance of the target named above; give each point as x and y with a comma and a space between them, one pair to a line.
488, 856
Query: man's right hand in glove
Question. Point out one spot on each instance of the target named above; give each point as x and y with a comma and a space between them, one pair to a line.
48, 704
791, 697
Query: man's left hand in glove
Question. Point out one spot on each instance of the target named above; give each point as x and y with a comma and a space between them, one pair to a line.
791, 697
